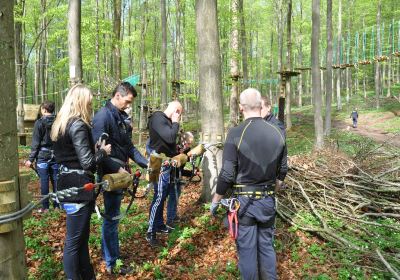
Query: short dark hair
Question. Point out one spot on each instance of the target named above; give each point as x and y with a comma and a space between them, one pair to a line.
266, 101
124, 88
49, 106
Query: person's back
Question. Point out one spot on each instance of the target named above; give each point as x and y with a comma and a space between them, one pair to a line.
254, 139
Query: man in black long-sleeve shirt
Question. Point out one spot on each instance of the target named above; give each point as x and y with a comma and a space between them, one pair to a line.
163, 130
252, 156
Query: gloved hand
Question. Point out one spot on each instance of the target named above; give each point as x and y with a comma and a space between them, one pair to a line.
213, 208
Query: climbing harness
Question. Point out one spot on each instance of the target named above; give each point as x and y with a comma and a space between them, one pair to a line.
232, 205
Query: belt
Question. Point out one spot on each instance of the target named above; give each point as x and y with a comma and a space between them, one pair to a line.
65, 170
254, 191
117, 160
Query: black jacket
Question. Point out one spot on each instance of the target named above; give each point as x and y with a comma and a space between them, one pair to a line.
117, 125
41, 141
163, 133
253, 155
75, 150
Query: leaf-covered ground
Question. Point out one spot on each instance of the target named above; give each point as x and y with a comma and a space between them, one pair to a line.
199, 248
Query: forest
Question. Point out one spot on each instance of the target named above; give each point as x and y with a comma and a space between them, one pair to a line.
318, 62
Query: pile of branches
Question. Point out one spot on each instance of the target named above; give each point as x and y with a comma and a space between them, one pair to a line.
354, 204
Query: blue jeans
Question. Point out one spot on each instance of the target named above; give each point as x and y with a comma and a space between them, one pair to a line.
161, 189
354, 122
47, 172
173, 197
109, 230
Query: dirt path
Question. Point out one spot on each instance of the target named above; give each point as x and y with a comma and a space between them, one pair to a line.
366, 129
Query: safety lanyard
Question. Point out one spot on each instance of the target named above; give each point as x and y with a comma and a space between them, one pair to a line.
234, 206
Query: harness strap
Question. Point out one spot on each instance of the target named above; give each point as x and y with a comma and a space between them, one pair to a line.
233, 224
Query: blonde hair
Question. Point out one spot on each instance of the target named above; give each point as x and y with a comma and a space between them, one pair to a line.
77, 105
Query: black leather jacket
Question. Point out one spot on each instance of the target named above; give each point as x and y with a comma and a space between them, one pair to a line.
75, 149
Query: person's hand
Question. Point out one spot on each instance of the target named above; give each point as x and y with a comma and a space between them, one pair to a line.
214, 208
122, 170
176, 116
28, 163
278, 185
105, 147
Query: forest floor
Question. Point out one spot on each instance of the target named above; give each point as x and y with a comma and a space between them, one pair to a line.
199, 248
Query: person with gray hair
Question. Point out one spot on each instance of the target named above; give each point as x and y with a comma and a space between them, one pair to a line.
252, 155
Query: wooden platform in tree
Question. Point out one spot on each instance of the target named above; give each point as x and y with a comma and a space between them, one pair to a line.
302, 68
288, 73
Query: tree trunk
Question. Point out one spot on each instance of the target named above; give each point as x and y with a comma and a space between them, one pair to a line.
42, 48
117, 39
143, 95
378, 47
243, 40
234, 71
12, 253
37, 76
389, 79
329, 58
210, 91
19, 62
163, 52
74, 42
338, 59
288, 94
316, 79
300, 83
98, 51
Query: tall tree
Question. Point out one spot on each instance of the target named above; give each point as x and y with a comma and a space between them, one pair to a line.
43, 52
329, 58
316, 75
243, 41
378, 47
300, 38
163, 52
210, 90
74, 42
234, 42
12, 253
288, 100
19, 62
338, 59
117, 39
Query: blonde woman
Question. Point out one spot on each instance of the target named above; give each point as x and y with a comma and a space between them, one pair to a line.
75, 153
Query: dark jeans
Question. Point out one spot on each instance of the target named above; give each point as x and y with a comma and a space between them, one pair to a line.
47, 172
257, 259
173, 198
76, 261
354, 122
109, 230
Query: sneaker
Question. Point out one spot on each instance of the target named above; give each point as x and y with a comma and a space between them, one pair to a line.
123, 270
172, 224
152, 239
165, 229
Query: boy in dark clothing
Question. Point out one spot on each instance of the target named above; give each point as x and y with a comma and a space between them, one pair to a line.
42, 152
354, 117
